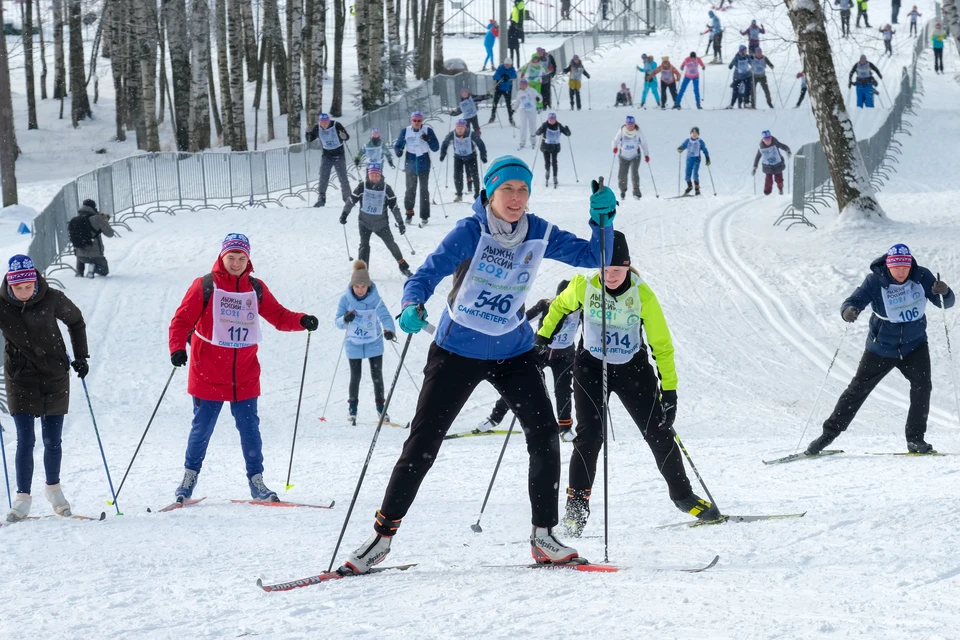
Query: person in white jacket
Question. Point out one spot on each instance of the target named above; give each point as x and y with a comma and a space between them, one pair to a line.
632, 146
527, 99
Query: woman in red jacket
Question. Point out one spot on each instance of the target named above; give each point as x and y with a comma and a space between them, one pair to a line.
222, 311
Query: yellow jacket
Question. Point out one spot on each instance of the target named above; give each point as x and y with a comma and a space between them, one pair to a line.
651, 320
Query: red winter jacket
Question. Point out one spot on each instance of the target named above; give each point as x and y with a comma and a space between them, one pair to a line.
220, 373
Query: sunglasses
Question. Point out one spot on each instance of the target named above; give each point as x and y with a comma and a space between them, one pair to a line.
416, 120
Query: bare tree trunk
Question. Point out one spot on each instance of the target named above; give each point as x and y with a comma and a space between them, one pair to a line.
146, 21
398, 79
43, 56
340, 18
226, 106
27, 13
249, 39
376, 56
271, 27
438, 38
424, 41
59, 60
8, 137
199, 104
295, 107
851, 182
361, 21
314, 36
178, 38
114, 48
269, 63
235, 24
162, 77
951, 18
217, 123
79, 102
413, 17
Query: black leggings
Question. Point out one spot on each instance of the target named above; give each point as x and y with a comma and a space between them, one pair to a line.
550, 153
376, 372
468, 166
637, 386
938, 59
448, 381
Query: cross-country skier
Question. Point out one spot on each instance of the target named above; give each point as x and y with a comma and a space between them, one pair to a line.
549, 64
468, 107
37, 380
691, 73
375, 198
649, 82
897, 290
862, 13
760, 63
367, 322
845, 7
773, 162
895, 11
559, 358
668, 80
803, 87
937, 37
753, 33
490, 39
331, 135
650, 397
913, 15
864, 71
503, 82
465, 147
716, 36
887, 32
482, 335
514, 38
624, 97
528, 101
742, 66
694, 146
219, 319
534, 73
418, 140
631, 145
577, 72
551, 130
373, 151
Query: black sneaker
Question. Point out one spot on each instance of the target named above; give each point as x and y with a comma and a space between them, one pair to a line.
623, 195
689, 188
698, 507
578, 510
919, 446
637, 195
821, 443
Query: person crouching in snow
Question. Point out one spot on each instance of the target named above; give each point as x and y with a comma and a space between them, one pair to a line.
37, 384
624, 97
219, 318
367, 321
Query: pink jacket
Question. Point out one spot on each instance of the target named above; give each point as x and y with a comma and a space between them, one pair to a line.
690, 69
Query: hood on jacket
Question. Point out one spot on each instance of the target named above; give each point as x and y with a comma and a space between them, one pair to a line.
41, 288
84, 210
879, 267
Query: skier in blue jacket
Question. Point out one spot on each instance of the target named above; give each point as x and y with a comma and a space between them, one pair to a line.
367, 321
493, 256
418, 140
694, 146
503, 79
897, 289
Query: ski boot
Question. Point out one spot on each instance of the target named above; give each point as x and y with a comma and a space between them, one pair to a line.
554, 182
637, 194
919, 446
698, 507
689, 188
487, 426
319, 203
663, 107
512, 123
578, 510
677, 106
374, 550
698, 105
259, 491
409, 215
546, 182
523, 145
780, 189
566, 430
820, 443
623, 195
423, 222
352, 412
189, 483
20, 508
458, 198
546, 549
643, 105
404, 268
571, 106
386, 417
696, 187
55, 495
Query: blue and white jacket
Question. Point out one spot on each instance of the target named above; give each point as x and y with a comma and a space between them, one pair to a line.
893, 339
413, 163
350, 302
454, 255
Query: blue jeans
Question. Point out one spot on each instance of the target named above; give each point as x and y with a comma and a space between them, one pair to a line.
693, 168
205, 414
696, 89
865, 95
51, 428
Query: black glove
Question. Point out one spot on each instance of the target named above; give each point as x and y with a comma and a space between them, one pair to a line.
668, 403
178, 358
402, 227
483, 159
81, 367
850, 314
443, 157
349, 316
424, 137
940, 287
542, 346
389, 335
310, 323
343, 218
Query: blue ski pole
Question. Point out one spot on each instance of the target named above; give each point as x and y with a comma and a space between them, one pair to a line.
6, 476
100, 443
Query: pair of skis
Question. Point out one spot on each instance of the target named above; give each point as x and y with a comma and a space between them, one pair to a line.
832, 452
262, 503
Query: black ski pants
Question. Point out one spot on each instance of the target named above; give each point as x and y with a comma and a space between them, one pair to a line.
376, 372
845, 22
803, 92
468, 165
861, 13
672, 86
410, 195
637, 386
915, 367
560, 362
496, 100
385, 234
448, 381
550, 153
758, 83
338, 161
545, 88
717, 41
938, 59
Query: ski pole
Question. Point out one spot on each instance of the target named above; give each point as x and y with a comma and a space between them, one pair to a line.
709, 171
536, 154
296, 420
373, 444
679, 163
953, 376
412, 250
6, 475
589, 99
412, 379
754, 181
654, 182
820, 390
443, 207
603, 406
676, 437
346, 243
336, 368
446, 171
476, 527
635, 83
149, 422
573, 160
100, 443
613, 161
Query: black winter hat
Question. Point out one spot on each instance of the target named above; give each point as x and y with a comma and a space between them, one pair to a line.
563, 285
621, 252
90, 203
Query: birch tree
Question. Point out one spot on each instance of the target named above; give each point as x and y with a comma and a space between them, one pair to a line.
951, 18
314, 40
28, 64
398, 75
179, 45
226, 106
249, 40
295, 105
235, 27
278, 56
79, 102
339, 17
375, 70
59, 59
146, 21
43, 55
362, 24
438, 66
199, 69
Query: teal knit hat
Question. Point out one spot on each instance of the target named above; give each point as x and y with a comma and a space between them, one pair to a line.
503, 169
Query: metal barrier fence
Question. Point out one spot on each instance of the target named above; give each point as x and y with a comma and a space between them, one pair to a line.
812, 186
470, 17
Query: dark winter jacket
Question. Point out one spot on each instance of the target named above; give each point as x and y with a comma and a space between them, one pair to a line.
890, 339
477, 145
417, 163
503, 78
741, 65
575, 71
542, 131
514, 36
342, 136
35, 357
776, 167
378, 221
101, 226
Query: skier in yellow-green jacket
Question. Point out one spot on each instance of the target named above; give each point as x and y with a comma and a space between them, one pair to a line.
650, 397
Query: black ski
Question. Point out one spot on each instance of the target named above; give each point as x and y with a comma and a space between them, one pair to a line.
326, 576
910, 454
723, 519
803, 456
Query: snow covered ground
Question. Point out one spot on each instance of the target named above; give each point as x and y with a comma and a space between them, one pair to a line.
754, 312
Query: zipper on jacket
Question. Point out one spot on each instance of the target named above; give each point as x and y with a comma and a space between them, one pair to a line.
235, 358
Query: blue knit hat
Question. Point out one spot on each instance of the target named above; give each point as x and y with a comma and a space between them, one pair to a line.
235, 242
503, 169
323, 117
897, 256
631, 120
20, 270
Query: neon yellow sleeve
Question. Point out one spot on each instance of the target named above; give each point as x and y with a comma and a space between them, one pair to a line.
570, 299
658, 337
